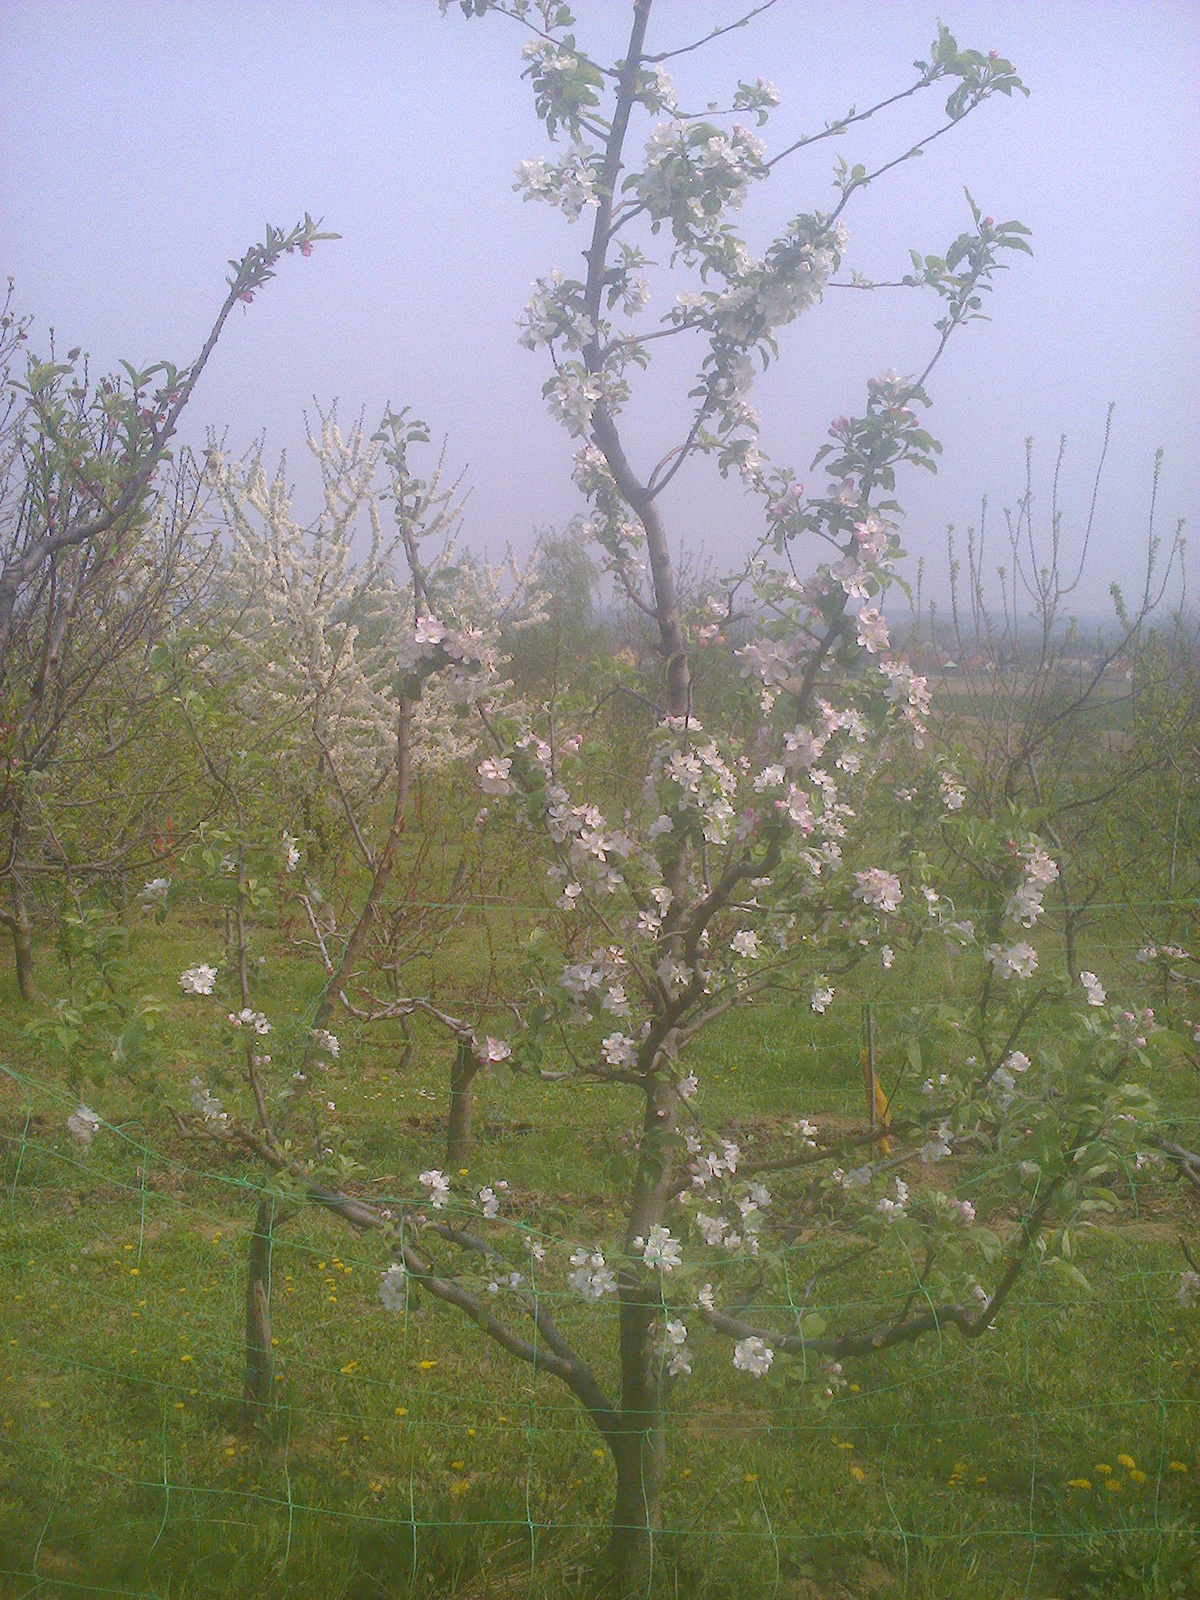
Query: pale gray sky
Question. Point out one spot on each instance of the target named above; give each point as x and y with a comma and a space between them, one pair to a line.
141, 144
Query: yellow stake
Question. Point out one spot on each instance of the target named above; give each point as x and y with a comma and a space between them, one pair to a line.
878, 1108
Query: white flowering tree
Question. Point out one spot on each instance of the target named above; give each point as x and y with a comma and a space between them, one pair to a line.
322, 673
746, 870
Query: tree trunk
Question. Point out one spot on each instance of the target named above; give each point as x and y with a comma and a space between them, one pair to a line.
19, 926
639, 1448
458, 1126
260, 1360
639, 1453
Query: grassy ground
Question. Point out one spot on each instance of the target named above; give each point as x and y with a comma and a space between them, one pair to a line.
1057, 1456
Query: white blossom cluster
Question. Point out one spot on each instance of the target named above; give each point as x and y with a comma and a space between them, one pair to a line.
694, 172
568, 183
320, 621
879, 888
1017, 961
691, 784
591, 1277
206, 1103
753, 1355
198, 980
438, 1185
393, 1288
1025, 904
247, 1017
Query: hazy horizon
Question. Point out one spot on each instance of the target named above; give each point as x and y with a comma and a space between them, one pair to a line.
146, 143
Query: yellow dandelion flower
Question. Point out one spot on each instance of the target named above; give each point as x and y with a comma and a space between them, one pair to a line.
462, 1172
1113, 1485
460, 1486
598, 1453
1175, 1466
752, 1477
458, 1466
427, 1365
1103, 1468
348, 1368
1137, 1476
1079, 1483
401, 1411
845, 1445
857, 1472
1126, 1461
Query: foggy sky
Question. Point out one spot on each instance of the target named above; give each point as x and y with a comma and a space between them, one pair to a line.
142, 144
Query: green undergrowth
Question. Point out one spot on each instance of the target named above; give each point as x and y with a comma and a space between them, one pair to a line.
1056, 1456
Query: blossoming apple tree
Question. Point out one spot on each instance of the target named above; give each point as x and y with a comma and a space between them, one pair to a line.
747, 872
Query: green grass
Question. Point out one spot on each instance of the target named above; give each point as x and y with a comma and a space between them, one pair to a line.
408, 1455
